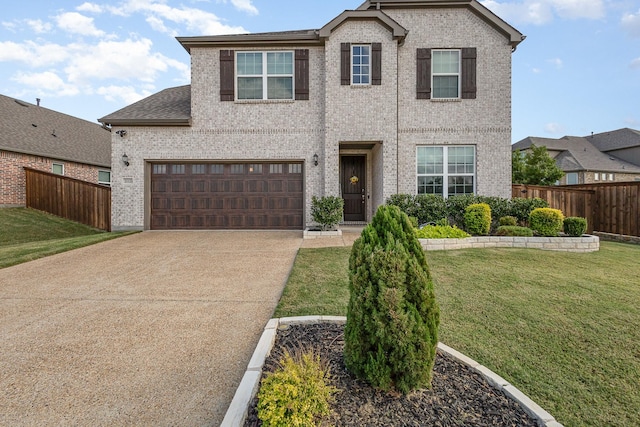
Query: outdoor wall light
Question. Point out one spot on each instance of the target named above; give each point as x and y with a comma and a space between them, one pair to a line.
121, 132
125, 159
315, 160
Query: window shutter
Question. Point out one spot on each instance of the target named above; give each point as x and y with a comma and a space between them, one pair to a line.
376, 63
227, 75
423, 73
345, 64
469, 73
302, 74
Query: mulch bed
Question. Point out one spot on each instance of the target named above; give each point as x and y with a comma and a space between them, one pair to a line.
459, 396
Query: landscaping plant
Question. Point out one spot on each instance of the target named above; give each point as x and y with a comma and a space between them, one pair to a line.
477, 219
514, 230
508, 220
441, 232
327, 211
575, 226
298, 394
391, 332
546, 221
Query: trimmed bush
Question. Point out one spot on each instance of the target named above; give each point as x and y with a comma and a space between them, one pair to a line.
546, 221
426, 208
327, 211
391, 332
514, 230
477, 219
575, 226
297, 394
508, 220
522, 208
441, 232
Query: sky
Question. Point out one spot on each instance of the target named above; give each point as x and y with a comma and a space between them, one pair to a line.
577, 72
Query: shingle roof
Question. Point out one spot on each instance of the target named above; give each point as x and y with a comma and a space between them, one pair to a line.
578, 154
616, 140
30, 129
170, 107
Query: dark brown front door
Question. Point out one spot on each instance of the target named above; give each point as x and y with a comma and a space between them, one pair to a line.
352, 180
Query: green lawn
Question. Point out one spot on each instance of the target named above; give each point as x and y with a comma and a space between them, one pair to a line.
564, 328
28, 234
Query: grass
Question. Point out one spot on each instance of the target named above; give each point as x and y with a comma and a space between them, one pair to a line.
562, 327
28, 234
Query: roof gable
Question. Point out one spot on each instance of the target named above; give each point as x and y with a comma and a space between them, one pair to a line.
616, 140
31, 129
397, 30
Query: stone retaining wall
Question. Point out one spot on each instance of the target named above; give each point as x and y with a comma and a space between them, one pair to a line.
586, 243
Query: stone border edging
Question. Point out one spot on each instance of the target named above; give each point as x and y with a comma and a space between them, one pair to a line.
586, 243
237, 411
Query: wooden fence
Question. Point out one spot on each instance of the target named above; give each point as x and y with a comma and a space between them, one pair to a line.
69, 198
608, 207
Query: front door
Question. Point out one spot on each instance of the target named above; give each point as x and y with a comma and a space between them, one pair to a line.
352, 181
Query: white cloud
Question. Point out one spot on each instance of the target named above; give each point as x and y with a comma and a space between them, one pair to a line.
245, 6
47, 82
554, 128
536, 70
34, 54
541, 12
635, 64
557, 62
196, 21
89, 7
126, 94
631, 23
38, 26
76, 23
11, 26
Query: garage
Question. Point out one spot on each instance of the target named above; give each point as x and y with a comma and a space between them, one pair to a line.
209, 196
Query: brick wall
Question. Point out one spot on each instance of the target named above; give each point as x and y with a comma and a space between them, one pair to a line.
12, 176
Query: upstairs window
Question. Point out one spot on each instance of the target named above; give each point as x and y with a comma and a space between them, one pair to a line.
446, 74
57, 168
360, 64
104, 177
264, 75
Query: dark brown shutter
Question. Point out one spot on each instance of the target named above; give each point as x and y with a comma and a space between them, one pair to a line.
345, 64
423, 73
227, 73
376, 63
469, 73
302, 74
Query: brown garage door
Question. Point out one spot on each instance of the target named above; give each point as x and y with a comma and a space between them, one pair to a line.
226, 196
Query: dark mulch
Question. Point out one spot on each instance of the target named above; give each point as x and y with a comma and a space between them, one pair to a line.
459, 396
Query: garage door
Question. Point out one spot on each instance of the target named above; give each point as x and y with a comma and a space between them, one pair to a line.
226, 196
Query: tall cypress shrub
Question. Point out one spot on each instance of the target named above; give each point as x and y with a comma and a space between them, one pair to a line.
391, 332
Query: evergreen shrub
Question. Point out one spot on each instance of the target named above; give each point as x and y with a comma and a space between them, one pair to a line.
327, 211
575, 226
514, 230
521, 208
297, 394
477, 219
441, 232
546, 221
508, 220
391, 334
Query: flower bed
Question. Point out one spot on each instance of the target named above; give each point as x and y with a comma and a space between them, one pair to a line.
585, 243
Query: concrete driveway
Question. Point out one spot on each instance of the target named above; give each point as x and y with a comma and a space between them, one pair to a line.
154, 328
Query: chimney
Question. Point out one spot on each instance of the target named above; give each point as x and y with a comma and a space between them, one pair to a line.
38, 101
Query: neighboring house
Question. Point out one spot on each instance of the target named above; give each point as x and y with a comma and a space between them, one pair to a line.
36, 137
394, 97
605, 157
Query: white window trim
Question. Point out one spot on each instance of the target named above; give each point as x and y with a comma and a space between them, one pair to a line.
458, 74
57, 164
104, 182
445, 168
353, 46
266, 76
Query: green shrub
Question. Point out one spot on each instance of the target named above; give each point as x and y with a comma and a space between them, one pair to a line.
522, 208
406, 203
391, 332
441, 232
297, 394
425, 208
514, 230
327, 211
477, 219
508, 220
575, 226
414, 221
546, 221
456, 206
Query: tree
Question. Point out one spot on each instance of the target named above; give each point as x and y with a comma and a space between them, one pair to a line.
535, 167
391, 332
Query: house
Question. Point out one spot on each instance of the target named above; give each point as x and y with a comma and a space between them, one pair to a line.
36, 137
605, 157
397, 96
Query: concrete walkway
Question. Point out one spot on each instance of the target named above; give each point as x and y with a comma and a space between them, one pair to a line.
155, 328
